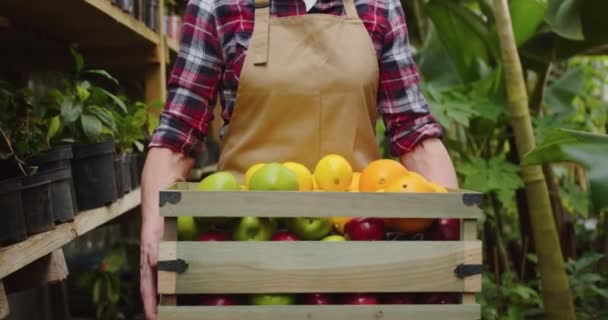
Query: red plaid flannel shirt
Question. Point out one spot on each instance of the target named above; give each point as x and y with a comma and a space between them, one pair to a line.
213, 46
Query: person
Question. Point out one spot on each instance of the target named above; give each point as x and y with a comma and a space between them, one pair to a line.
297, 79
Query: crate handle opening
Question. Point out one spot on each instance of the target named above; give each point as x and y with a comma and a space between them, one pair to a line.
467, 270
178, 266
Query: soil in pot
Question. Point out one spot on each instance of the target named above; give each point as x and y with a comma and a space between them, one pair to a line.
94, 175
12, 228
61, 196
56, 158
37, 203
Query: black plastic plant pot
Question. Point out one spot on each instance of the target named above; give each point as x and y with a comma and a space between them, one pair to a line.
37, 203
12, 228
94, 175
123, 174
141, 161
58, 157
134, 168
61, 194
151, 14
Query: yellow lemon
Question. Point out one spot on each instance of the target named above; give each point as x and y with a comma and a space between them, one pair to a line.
249, 173
304, 176
380, 190
333, 173
354, 185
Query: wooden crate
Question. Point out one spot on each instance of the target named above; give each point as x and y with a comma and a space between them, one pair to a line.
318, 266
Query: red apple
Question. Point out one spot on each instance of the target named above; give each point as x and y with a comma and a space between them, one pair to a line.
215, 235
219, 300
316, 299
398, 298
284, 236
360, 298
365, 229
439, 298
444, 230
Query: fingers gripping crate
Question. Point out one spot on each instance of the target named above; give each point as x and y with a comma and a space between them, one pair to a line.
243, 267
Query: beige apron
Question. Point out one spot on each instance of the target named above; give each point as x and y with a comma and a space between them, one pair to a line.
308, 88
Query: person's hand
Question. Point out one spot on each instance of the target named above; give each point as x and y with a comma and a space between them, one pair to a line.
150, 237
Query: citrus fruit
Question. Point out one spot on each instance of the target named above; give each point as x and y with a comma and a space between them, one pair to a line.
219, 181
274, 176
250, 171
378, 173
303, 174
438, 188
409, 182
333, 173
354, 185
409, 225
338, 223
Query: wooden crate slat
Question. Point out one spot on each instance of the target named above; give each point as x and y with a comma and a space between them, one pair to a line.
337, 312
318, 266
317, 204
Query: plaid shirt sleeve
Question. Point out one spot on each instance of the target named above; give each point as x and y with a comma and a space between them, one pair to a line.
193, 84
405, 111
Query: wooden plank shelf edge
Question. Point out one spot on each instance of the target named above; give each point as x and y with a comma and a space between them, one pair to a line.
18, 255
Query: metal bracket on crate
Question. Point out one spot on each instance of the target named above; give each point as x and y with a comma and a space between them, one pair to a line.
178, 266
471, 199
467, 270
169, 196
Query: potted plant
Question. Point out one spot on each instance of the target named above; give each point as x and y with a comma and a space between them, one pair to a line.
86, 121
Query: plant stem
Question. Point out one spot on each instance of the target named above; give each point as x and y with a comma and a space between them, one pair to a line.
555, 289
10, 146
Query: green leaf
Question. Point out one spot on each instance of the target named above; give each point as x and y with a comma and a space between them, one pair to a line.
70, 111
91, 126
574, 199
114, 261
139, 118
587, 149
83, 92
103, 73
97, 286
54, 126
561, 93
78, 60
105, 116
527, 16
119, 103
564, 16
494, 175
140, 146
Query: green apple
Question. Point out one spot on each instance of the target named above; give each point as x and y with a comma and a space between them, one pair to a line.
335, 237
274, 176
219, 181
310, 228
187, 228
271, 299
254, 229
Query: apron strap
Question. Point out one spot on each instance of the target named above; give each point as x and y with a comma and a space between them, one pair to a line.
259, 37
351, 10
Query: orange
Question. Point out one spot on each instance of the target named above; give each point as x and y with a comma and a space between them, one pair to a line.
410, 182
354, 185
378, 173
339, 223
333, 173
438, 188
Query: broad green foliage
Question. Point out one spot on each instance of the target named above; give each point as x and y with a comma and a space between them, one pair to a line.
587, 149
527, 16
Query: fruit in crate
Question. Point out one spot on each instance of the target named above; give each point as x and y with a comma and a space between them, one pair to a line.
187, 228
284, 236
410, 182
309, 228
439, 298
272, 299
338, 223
273, 176
359, 298
334, 237
354, 185
305, 180
254, 229
333, 173
219, 181
398, 298
250, 171
365, 229
219, 300
214, 235
316, 299
379, 173
443, 230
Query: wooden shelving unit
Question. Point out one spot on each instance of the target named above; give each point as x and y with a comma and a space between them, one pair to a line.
19, 255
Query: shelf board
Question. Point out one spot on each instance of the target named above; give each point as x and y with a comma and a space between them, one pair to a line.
90, 23
173, 45
18, 255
